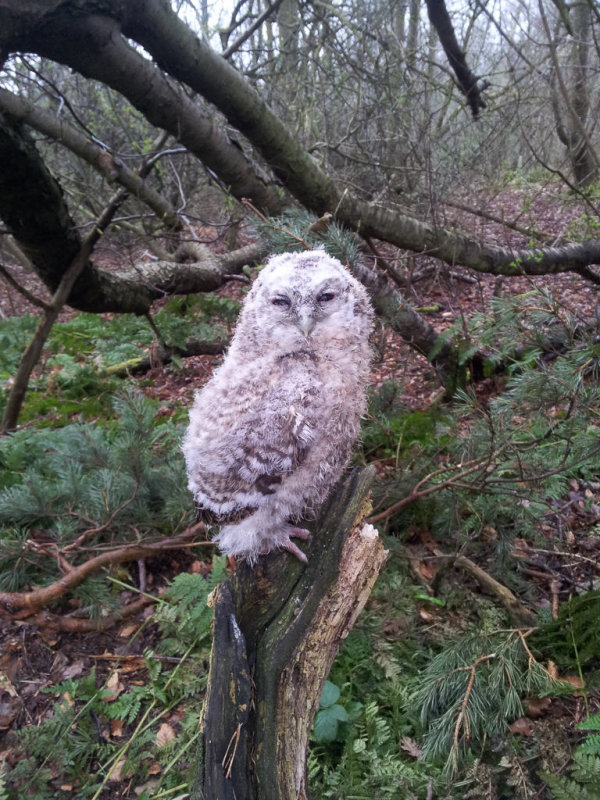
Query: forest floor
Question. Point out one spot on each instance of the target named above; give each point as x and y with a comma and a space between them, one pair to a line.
36, 657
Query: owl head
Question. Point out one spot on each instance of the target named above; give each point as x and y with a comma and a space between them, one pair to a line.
301, 301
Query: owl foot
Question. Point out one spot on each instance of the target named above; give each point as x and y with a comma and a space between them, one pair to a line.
292, 547
255, 536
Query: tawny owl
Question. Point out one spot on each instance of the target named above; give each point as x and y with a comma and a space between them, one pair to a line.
272, 430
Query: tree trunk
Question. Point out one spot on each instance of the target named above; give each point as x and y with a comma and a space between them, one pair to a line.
277, 630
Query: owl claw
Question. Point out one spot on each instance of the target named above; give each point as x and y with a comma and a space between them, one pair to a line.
292, 547
300, 533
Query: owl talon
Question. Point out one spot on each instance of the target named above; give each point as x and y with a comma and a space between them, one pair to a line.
300, 533
293, 548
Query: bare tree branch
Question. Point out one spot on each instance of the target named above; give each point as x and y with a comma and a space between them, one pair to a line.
467, 82
101, 160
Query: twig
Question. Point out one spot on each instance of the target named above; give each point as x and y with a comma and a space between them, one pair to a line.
416, 494
75, 625
35, 301
74, 545
79, 262
229, 758
132, 659
465, 701
26, 603
255, 26
565, 555
532, 659
520, 613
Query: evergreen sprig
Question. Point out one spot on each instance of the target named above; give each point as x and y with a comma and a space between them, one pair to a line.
472, 689
88, 484
297, 230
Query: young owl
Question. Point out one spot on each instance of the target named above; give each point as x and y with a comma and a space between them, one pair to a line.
272, 430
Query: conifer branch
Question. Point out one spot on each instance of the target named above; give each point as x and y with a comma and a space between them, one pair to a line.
465, 701
518, 612
416, 493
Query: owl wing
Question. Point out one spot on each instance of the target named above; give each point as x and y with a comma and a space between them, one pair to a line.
255, 449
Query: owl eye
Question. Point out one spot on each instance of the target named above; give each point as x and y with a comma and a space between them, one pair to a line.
325, 297
284, 302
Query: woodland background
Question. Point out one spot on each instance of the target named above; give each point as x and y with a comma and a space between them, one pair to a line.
151, 155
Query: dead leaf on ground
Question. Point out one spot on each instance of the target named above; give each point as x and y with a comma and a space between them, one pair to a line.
68, 698
521, 727
149, 788
9, 712
575, 682
411, 747
165, 734
198, 567
114, 686
553, 670
426, 569
128, 630
74, 670
117, 773
6, 685
521, 548
538, 706
394, 627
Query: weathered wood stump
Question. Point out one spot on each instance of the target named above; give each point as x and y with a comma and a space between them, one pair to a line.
277, 629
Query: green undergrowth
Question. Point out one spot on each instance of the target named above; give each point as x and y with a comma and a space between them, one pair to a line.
102, 485
488, 471
70, 383
76, 752
582, 781
425, 688
421, 697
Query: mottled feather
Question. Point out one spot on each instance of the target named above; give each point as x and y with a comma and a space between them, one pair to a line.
272, 430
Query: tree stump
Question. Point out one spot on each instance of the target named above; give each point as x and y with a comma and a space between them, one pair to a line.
277, 629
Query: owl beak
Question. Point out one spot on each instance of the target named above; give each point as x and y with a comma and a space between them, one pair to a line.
306, 324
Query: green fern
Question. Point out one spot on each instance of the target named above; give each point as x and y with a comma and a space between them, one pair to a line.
185, 618
583, 781
572, 640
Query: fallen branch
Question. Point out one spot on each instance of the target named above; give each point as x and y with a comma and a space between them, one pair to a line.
51, 310
45, 619
31, 602
519, 613
164, 355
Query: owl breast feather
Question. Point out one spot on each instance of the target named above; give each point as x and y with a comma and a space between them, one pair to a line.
244, 446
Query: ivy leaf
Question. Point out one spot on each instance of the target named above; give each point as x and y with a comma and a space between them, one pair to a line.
329, 695
327, 722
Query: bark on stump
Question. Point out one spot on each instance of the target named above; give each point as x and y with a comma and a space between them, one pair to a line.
277, 629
